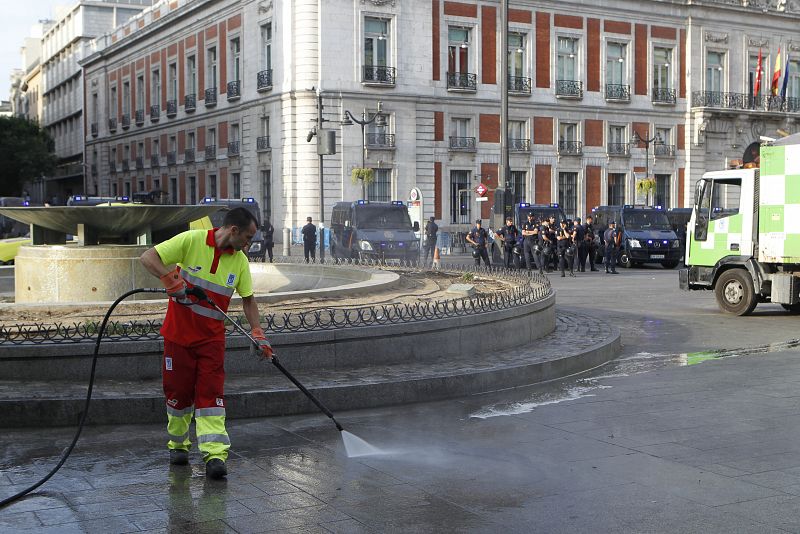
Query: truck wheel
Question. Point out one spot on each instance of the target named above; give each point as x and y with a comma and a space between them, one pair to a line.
735, 293
670, 264
791, 308
625, 260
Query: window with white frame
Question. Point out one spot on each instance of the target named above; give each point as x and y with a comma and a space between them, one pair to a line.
192, 190
211, 67
266, 186
378, 134
752, 75
113, 99
376, 42
715, 62
266, 46
190, 141
567, 131
236, 180
172, 81
460, 197
155, 89
191, 75
516, 55
568, 193
664, 146
616, 189
380, 189
662, 63
126, 97
140, 92
617, 140
615, 63
793, 90
236, 59
212, 185
460, 133
518, 136
662, 196
458, 50
567, 61
519, 180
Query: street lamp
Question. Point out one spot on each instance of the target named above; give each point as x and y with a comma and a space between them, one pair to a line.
348, 119
656, 139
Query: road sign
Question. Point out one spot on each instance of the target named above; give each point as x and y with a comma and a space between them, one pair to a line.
481, 190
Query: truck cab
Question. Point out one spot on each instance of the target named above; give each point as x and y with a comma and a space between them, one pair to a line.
373, 230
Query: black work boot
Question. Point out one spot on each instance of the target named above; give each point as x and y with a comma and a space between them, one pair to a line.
178, 456
215, 468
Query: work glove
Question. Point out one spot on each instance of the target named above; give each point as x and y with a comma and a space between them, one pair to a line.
174, 283
263, 344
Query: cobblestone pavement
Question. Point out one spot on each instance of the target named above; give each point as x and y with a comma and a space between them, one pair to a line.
645, 444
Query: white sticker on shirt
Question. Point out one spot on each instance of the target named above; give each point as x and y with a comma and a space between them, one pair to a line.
231, 279
168, 363
220, 402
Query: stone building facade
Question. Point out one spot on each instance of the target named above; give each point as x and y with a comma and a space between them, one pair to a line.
217, 98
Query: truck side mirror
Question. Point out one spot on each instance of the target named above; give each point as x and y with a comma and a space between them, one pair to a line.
416, 226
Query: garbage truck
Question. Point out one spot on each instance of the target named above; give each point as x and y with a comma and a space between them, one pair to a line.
743, 237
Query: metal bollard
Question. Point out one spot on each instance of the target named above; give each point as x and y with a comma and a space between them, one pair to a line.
321, 243
287, 242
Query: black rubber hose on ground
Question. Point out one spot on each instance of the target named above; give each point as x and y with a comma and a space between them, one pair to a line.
9, 500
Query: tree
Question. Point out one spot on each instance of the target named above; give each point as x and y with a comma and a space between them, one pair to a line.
26, 151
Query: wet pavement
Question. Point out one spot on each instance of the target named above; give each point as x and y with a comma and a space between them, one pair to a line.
685, 432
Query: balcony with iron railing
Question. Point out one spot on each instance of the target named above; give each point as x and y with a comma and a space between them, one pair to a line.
570, 148
172, 108
211, 97
155, 161
188, 155
663, 95
618, 93
378, 75
664, 150
139, 117
519, 145
462, 143
262, 143
155, 112
125, 121
618, 149
126, 165
519, 85
569, 89
112, 124
139, 162
264, 80
94, 129
211, 152
462, 81
745, 102
234, 90
380, 140
172, 158
190, 102
233, 148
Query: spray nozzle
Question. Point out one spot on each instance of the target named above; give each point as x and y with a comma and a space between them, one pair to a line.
197, 292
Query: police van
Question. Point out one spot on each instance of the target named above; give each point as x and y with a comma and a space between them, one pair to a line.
258, 249
647, 235
373, 230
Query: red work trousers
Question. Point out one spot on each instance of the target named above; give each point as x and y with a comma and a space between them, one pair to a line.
193, 379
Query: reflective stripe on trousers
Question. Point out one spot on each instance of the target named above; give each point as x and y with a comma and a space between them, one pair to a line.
212, 439
178, 427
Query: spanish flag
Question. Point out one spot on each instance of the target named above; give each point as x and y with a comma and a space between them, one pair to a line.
759, 70
776, 74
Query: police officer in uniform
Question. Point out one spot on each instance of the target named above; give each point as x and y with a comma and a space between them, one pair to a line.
546, 245
579, 243
591, 244
479, 238
564, 241
611, 238
431, 231
530, 235
509, 233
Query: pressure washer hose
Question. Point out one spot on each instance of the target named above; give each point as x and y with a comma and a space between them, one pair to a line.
5, 502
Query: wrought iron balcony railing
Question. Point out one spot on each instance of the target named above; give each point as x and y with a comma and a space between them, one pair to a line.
234, 90
462, 143
125, 121
188, 155
519, 145
211, 96
94, 129
190, 102
569, 88
570, 148
112, 125
745, 101
262, 143
126, 165
233, 148
172, 108
619, 93
211, 152
618, 149
379, 74
660, 149
663, 95
519, 84
172, 158
462, 81
264, 80
155, 111
139, 117
155, 161
380, 140
140, 162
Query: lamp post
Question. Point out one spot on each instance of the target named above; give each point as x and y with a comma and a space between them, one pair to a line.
646, 141
348, 119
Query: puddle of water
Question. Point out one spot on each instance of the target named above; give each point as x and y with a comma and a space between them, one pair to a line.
639, 363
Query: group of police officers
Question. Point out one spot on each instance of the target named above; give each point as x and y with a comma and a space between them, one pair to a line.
546, 245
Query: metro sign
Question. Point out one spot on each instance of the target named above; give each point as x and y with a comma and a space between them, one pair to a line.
481, 190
